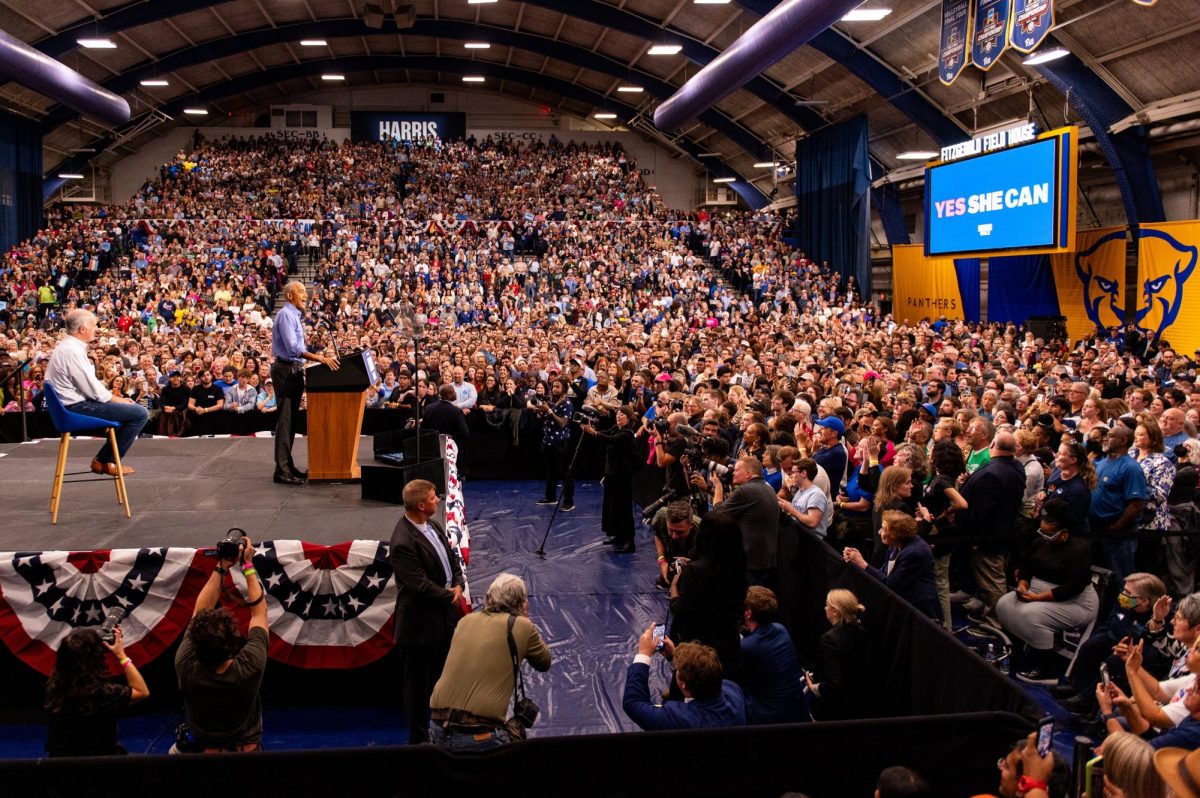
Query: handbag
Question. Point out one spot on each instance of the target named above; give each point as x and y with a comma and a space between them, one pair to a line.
525, 711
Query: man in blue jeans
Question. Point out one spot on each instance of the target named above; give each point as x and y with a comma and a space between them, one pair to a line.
1118, 501
73, 378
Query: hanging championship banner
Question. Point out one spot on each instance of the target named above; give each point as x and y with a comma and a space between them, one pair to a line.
1032, 21
990, 37
956, 33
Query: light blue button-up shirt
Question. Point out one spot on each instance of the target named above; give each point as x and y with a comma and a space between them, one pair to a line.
287, 335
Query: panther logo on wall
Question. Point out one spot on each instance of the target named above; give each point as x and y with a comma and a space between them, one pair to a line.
1161, 292
1160, 295
1102, 284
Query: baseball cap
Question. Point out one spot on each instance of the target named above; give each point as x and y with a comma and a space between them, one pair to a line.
834, 423
930, 409
1045, 420
664, 377
174, 373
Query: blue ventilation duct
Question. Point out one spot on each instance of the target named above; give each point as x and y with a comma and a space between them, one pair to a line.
39, 72
789, 26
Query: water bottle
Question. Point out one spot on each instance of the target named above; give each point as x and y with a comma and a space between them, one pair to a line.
990, 655
1003, 664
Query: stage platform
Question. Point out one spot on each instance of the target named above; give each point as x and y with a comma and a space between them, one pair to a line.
186, 492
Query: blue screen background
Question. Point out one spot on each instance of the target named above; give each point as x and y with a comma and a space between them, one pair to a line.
1012, 228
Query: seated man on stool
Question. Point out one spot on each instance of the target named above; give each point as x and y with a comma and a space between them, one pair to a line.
73, 378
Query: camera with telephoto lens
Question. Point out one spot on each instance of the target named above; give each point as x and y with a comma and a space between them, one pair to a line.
232, 547
662, 426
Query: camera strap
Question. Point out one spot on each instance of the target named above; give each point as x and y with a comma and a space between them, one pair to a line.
518, 676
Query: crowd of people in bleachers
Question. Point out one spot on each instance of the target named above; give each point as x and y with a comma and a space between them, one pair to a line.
944, 457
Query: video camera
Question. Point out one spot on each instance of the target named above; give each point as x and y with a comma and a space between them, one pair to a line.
586, 415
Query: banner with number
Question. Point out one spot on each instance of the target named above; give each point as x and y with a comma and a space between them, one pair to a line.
955, 40
1168, 305
1031, 24
989, 39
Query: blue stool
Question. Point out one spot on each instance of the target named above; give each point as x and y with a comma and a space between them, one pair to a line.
67, 422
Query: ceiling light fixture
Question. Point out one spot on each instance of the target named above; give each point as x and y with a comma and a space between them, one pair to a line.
196, 111
155, 82
866, 15
630, 89
711, 2
1045, 56
97, 44
604, 116
480, 2
312, 42
724, 179
766, 164
709, 155
665, 49
473, 78
917, 155
477, 45
70, 176
333, 77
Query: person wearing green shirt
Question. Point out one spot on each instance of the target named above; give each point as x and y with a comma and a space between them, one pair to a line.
979, 433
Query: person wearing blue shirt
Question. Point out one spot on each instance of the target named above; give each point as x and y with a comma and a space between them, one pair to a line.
287, 374
1117, 501
770, 677
711, 701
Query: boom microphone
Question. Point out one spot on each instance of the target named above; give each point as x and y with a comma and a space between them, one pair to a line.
687, 429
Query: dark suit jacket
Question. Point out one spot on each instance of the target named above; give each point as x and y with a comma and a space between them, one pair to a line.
424, 612
770, 677
447, 419
912, 578
727, 709
845, 671
993, 495
756, 509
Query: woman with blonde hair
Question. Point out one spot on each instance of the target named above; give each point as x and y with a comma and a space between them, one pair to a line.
1129, 768
841, 692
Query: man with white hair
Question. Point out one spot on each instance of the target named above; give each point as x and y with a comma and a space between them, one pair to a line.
471, 697
73, 378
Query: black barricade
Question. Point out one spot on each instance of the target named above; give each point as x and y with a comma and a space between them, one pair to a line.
833, 760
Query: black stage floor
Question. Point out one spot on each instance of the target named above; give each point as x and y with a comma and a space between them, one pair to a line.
186, 492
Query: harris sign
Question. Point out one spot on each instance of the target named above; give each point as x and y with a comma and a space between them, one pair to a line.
400, 126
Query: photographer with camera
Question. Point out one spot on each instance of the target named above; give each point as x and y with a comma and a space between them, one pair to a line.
756, 509
669, 447
219, 671
555, 414
619, 463
482, 672
82, 703
674, 538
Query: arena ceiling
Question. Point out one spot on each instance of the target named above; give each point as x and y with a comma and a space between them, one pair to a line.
236, 57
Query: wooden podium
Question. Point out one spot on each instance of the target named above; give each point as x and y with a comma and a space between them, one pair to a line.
336, 400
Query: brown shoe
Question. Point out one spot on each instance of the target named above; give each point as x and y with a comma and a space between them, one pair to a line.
98, 467
111, 469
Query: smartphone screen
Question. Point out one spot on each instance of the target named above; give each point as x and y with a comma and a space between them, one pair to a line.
660, 631
1104, 676
1045, 736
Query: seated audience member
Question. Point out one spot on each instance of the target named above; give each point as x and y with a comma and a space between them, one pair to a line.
1141, 613
1129, 768
843, 690
1186, 733
82, 702
770, 677
708, 595
220, 671
241, 397
172, 421
1026, 774
471, 698
712, 700
1179, 768
908, 570
900, 782
1054, 592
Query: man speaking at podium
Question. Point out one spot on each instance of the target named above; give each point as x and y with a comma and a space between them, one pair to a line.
287, 373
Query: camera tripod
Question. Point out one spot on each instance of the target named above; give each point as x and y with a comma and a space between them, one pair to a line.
570, 475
